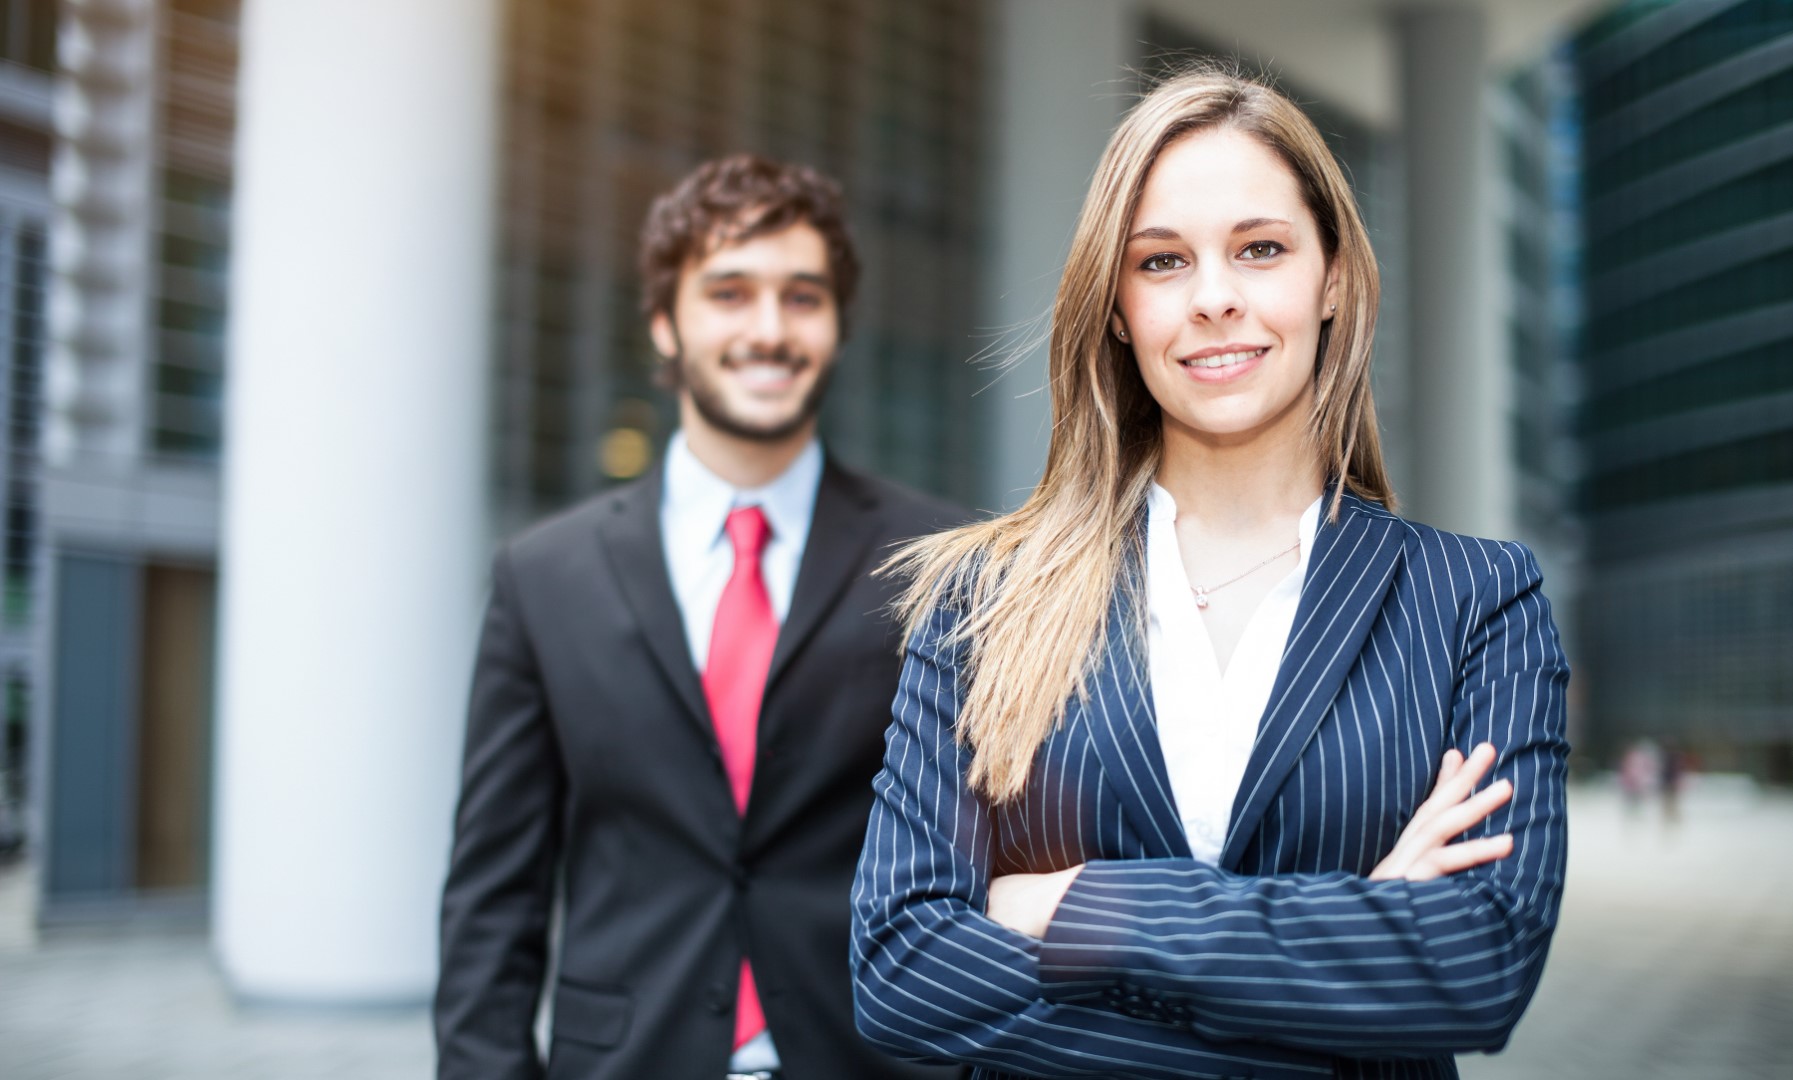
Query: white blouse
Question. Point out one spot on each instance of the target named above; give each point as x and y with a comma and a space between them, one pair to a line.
1207, 721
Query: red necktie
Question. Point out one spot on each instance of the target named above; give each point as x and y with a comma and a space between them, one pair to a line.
734, 683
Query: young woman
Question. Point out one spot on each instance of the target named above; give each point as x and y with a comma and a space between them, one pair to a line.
1186, 748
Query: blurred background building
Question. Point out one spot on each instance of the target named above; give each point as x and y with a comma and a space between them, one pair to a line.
1581, 209
130, 444
27, 64
1686, 424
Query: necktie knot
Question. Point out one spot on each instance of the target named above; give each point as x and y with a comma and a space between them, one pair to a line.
748, 531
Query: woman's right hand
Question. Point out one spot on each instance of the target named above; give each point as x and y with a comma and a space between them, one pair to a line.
1424, 850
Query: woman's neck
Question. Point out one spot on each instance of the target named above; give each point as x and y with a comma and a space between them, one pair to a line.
1240, 487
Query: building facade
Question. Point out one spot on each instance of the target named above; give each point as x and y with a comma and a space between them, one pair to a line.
1687, 422
27, 59
132, 440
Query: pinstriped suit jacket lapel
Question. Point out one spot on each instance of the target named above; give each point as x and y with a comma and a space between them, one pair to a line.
1349, 574
1123, 727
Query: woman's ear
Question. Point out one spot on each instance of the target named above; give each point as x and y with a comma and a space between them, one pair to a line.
1118, 327
1331, 296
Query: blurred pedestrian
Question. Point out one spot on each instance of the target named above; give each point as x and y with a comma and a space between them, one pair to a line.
1675, 765
681, 693
1640, 772
1155, 801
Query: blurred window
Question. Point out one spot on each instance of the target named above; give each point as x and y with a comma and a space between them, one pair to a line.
23, 395
1738, 377
197, 118
1751, 110
1755, 462
1762, 194
28, 33
1729, 32
1737, 289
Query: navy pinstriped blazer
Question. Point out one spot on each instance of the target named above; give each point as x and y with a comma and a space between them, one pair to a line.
1284, 960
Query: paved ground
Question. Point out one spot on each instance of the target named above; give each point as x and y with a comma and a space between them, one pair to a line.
1674, 956
1675, 960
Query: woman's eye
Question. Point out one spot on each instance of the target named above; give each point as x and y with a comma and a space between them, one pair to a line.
1162, 262
1263, 249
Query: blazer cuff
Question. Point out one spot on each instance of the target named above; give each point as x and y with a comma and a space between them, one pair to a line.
1085, 957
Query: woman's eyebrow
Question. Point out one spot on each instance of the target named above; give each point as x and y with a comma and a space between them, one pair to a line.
1160, 232
1156, 232
1257, 223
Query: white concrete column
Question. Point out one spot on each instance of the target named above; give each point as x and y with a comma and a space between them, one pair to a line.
354, 520
1462, 461
1061, 84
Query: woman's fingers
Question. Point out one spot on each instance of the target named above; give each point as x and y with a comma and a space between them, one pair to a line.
1453, 760
1470, 812
1476, 766
1457, 777
1424, 849
1465, 854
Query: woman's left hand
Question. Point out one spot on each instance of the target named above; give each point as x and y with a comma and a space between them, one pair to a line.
1425, 849
1025, 902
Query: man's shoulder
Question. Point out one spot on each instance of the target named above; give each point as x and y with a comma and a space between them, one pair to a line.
579, 528
906, 512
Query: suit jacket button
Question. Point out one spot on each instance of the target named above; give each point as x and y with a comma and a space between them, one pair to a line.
740, 877
718, 1000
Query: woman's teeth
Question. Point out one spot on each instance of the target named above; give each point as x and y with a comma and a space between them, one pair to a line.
1227, 359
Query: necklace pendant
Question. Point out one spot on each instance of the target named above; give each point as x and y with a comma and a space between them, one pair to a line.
1201, 597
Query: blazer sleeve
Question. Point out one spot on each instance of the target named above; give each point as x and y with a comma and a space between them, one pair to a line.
495, 904
1336, 961
933, 977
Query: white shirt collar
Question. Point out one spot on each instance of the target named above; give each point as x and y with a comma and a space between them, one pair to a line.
697, 501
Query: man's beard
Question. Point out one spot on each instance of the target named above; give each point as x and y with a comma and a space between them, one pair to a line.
712, 405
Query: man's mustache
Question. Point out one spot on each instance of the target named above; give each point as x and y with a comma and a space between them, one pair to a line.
766, 356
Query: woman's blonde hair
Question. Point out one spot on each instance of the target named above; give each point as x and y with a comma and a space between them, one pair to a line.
1035, 585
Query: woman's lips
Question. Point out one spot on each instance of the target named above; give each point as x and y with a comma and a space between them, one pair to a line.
1223, 366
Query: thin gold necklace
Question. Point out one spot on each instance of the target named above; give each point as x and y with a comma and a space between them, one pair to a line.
1202, 592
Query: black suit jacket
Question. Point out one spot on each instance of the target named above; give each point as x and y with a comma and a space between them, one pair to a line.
591, 766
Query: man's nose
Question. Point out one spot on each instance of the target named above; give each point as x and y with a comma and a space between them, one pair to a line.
767, 330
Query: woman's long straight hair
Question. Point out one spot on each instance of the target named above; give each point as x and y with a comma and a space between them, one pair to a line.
1034, 586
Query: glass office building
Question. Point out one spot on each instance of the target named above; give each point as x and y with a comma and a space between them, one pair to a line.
1687, 422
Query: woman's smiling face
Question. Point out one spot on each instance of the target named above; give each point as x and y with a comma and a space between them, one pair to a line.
1224, 287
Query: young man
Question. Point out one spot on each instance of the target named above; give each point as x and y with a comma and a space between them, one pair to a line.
681, 693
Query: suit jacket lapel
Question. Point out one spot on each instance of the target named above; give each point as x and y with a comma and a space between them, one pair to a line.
1123, 726
1348, 576
840, 533
632, 542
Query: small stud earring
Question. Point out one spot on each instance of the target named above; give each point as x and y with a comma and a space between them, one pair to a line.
1330, 308
1122, 334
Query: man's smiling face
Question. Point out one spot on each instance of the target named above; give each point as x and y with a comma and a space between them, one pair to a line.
753, 334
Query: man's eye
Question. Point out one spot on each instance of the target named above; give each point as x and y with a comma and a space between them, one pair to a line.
804, 300
1263, 249
727, 296
1162, 262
